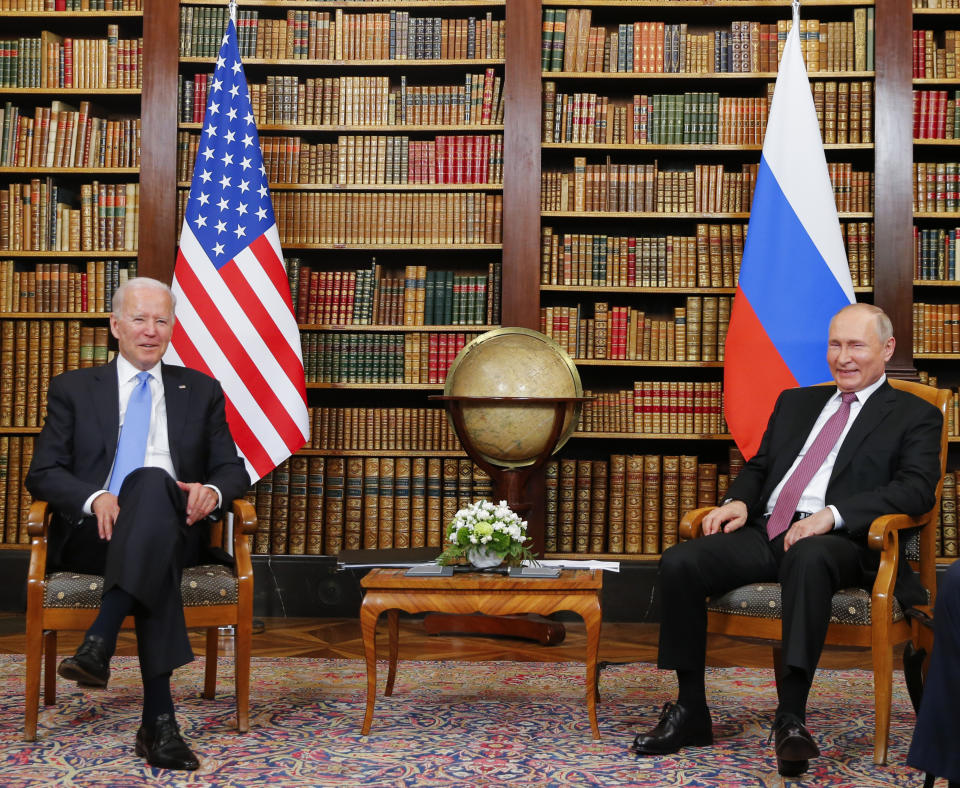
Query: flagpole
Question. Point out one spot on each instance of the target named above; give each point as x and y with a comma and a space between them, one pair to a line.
233, 9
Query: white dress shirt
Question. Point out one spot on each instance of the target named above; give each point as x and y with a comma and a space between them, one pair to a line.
813, 497
158, 441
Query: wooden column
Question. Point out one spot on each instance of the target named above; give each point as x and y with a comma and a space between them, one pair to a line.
520, 292
893, 193
158, 140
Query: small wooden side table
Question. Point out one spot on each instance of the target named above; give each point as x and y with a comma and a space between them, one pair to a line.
576, 590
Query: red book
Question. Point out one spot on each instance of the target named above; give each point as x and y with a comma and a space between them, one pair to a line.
433, 359
469, 141
917, 113
458, 159
336, 298
84, 303
67, 61
303, 294
440, 173
350, 291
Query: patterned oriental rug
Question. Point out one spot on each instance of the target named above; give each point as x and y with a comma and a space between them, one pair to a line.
447, 724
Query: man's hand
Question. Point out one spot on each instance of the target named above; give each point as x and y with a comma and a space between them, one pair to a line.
820, 523
200, 500
727, 518
106, 507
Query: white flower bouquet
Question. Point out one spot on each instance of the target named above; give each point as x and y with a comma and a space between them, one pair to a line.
486, 534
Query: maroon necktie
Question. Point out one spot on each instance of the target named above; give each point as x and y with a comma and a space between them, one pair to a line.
782, 515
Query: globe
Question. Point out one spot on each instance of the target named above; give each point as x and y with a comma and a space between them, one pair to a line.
514, 362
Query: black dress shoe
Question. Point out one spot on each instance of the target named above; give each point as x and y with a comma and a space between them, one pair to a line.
164, 747
678, 727
90, 665
793, 744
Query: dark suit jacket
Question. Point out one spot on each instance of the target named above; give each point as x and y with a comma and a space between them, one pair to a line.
75, 449
889, 462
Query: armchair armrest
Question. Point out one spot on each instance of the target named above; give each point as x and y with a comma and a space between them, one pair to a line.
38, 519
244, 523
38, 522
691, 526
884, 535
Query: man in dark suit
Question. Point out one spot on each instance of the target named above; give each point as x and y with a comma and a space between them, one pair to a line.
831, 460
934, 746
133, 457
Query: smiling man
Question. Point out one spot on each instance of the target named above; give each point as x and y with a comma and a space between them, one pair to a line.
133, 457
831, 460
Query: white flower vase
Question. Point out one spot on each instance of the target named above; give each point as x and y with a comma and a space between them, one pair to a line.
482, 557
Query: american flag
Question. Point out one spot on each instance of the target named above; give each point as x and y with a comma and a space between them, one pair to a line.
235, 320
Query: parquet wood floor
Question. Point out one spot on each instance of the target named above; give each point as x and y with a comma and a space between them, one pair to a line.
334, 638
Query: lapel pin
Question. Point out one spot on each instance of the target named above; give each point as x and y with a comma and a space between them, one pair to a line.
181, 386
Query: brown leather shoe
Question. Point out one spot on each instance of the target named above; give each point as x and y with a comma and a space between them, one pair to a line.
164, 747
793, 744
678, 727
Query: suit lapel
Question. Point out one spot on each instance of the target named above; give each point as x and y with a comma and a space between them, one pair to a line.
874, 410
106, 405
176, 395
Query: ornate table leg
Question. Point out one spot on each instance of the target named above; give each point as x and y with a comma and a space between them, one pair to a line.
393, 627
592, 617
369, 613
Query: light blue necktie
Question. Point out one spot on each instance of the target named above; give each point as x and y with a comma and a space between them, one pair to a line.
132, 446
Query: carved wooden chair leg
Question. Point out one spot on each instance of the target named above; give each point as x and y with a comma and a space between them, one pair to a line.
50, 667
210, 669
32, 699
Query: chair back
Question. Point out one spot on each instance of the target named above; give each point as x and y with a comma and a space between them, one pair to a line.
926, 549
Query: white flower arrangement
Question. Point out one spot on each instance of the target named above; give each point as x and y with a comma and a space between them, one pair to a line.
486, 534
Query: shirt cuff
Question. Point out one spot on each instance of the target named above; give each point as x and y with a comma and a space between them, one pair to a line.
88, 504
837, 519
217, 491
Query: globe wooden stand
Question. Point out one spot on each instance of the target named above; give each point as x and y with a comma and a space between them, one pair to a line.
509, 484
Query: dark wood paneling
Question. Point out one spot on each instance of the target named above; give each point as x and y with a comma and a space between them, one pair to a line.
158, 168
893, 219
521, 180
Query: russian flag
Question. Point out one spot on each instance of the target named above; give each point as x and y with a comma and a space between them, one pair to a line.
794, 275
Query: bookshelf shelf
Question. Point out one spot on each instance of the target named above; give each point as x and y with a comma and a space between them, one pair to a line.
54, 315
686, 148
606, 362
100, 92
703, 3
380, 187
70, 170
669, 289
936, 214
935, 142
745, 215
688, 75
390, 386
380, 453
19, 430
316, 63
400, 128
936, 356
395, 329
72, 253
71, 14
685, 436
23, 547
936, 11
398, 247
936, 80
361, 3
935, 283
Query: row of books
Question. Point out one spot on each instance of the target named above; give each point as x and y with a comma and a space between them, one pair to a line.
687, 118
418, 297
62, 136
322, 505
570, 43
672, 407
335, 35
357, 101
53, 61
627, 504
935, 114
16, 453
42, 216
71, 5
711, 258
374, 357
695, 332
62, 287
931, 61
368, 159
387, 218
382, 429
936, 187
33, 351
936, 328
935, 254
611, 187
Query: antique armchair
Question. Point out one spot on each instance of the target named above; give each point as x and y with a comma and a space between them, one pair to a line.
213, 596
859, 619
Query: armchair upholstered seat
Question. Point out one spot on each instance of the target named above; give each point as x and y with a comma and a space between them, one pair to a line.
214, 595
